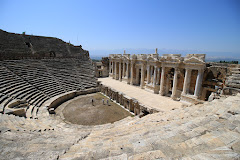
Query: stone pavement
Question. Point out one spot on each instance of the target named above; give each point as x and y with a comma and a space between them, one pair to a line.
160, 103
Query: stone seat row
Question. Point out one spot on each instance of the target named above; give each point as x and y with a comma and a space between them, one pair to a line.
16, 88
192, 132
35, 82
22, 124
46, 83
207, 131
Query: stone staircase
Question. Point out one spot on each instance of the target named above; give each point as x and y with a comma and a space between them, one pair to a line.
234, 79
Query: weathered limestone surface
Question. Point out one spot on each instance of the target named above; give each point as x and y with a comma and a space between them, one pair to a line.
205, 131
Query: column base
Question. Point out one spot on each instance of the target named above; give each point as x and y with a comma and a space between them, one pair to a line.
173, 97
190, 98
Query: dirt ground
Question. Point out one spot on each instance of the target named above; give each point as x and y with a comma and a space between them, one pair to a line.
81, 111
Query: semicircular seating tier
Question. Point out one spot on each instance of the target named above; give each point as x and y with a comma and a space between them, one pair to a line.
26, 84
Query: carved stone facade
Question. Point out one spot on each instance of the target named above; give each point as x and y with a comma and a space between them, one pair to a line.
167, 75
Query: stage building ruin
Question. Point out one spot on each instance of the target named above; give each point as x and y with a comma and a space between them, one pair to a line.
167, 75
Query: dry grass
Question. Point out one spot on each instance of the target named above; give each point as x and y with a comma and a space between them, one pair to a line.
81, 111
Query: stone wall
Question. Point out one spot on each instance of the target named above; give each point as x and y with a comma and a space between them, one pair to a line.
21, 46
102, 68
54, 102
131, 104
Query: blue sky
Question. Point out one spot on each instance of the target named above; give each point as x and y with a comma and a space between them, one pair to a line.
110, 26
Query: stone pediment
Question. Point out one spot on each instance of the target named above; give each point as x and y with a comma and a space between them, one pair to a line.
150, 58
193, 60
125, 58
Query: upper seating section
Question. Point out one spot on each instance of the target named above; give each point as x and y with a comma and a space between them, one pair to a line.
12, 46
54, 76
35, 73
21, 46
65, 73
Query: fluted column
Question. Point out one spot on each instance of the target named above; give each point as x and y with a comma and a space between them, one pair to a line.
162, 81
120, 71
198, 83
174, 89
142, 75
131, 82
148, 74
186, 81
158, 76
155, 75
115, 70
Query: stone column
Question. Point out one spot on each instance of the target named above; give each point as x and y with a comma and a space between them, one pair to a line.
115, 70
198, 84
186, 81
137, 75
110, 67
162, 81
131, 82
124, 72
142, 76
158, 76
174, 89
155, 75
128, 79
120, 71
148, 74
151, 77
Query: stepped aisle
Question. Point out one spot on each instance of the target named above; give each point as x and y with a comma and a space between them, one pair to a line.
234, 79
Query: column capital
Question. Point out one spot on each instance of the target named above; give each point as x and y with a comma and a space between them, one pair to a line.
200, 69
176, 69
